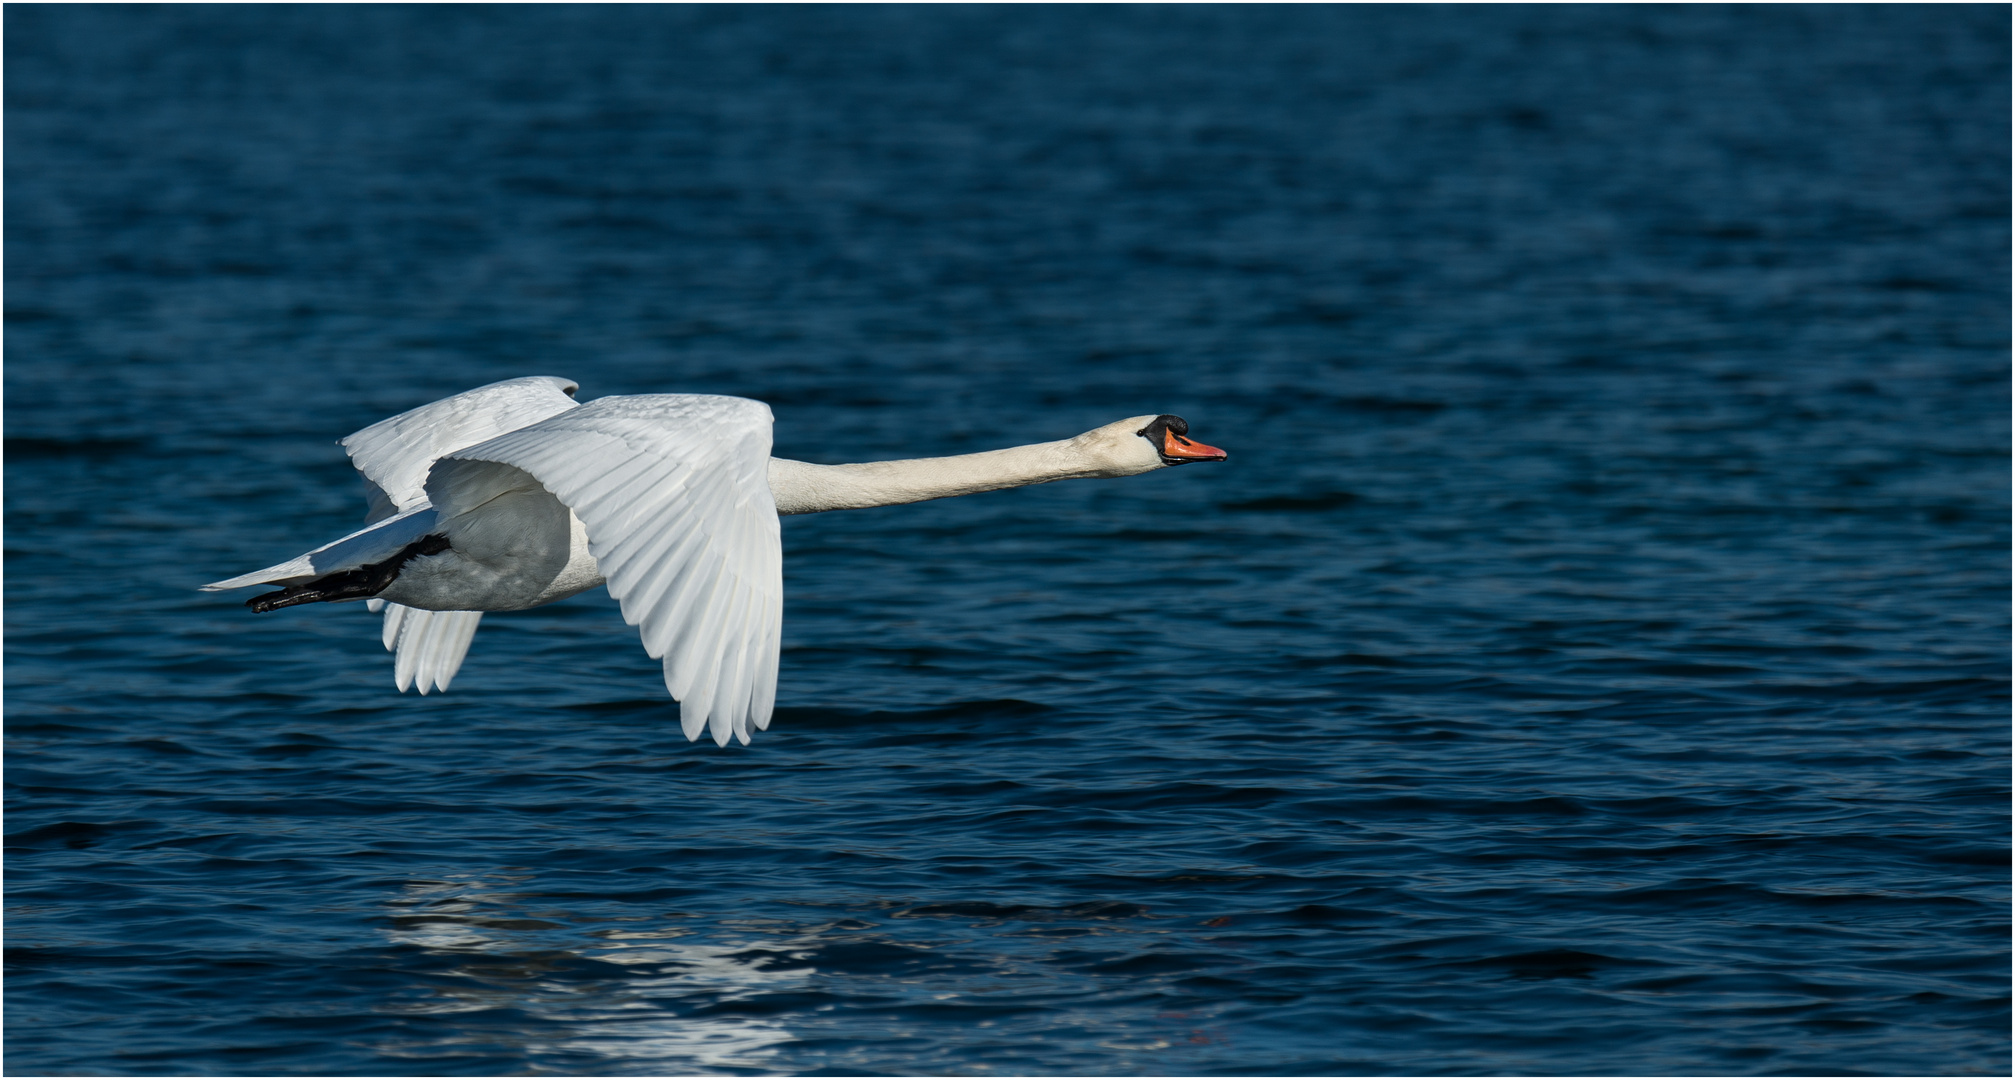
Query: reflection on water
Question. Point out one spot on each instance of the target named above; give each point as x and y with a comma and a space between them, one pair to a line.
649, 1015
509, 973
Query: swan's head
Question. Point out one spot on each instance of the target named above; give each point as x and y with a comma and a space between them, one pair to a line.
1141, 444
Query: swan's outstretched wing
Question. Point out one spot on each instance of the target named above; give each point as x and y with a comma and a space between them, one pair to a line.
394, 455
674, 492
430, 644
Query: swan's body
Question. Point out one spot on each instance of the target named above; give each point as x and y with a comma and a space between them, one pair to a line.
514, 495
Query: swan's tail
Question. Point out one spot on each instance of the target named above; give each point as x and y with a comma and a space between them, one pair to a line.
362, 550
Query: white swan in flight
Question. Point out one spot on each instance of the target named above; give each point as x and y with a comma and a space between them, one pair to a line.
514, 495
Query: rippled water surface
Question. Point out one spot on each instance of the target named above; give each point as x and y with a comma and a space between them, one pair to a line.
1593, 657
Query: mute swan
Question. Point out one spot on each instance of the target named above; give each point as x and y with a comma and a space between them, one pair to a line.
514, 495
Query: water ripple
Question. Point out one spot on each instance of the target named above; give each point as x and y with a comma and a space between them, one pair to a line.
1592, 659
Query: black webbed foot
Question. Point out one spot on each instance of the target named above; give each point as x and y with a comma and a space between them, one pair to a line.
358, 584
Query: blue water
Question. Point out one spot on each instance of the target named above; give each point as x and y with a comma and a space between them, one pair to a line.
1592, 659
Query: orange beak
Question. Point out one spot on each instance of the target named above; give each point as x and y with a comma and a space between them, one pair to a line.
1181, 449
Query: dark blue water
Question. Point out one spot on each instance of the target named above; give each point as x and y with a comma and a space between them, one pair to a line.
1592, 659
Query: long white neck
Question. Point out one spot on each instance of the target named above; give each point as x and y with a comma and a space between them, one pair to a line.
804, 488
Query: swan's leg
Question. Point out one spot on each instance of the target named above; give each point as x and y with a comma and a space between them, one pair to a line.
368, 580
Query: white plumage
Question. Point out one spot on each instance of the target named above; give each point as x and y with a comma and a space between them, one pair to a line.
673, 490
430, 644
514, 495
395, 455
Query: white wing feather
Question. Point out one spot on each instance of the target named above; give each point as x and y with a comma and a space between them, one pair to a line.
430, 644
674, 492
395, 454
